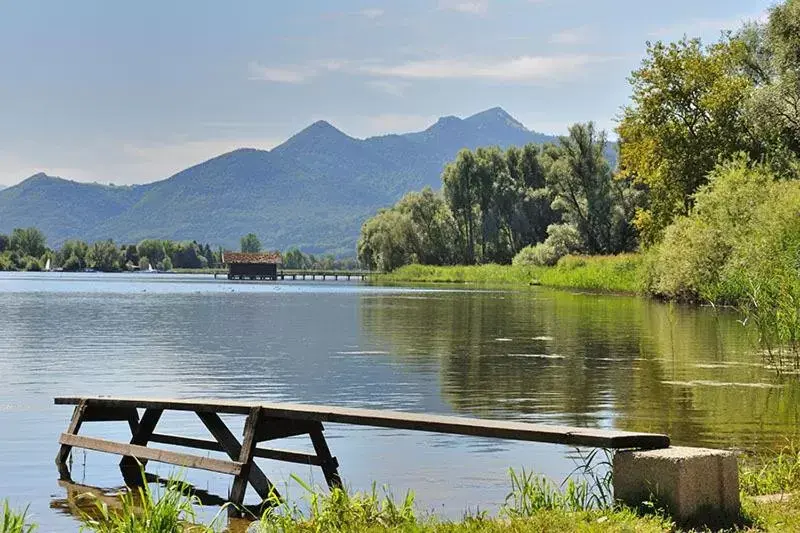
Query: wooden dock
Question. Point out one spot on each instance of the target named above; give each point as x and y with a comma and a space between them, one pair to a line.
311, 275
273, 421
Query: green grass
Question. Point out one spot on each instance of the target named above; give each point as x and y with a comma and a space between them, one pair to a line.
617, 274
13, 521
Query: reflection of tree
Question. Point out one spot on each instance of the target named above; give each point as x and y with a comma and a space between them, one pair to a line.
590, 360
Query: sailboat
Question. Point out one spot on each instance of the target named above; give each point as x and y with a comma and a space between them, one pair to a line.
150, 268
47, 265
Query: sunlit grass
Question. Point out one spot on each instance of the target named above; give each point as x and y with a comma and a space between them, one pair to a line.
14, 521
618, 274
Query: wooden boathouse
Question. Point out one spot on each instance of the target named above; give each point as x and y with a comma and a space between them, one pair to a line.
242, 265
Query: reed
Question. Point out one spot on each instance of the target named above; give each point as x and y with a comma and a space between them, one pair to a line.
14, 521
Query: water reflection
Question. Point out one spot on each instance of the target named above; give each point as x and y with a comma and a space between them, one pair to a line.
592, 360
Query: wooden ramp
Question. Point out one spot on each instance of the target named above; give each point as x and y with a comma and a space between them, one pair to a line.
272, 421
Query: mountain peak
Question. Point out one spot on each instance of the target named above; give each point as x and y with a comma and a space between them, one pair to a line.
320, 132
495, 116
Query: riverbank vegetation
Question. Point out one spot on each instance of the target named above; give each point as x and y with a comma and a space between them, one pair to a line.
533, 504
705, 190
25, 249
15, 521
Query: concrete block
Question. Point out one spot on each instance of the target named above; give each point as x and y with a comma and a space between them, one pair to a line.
695, 485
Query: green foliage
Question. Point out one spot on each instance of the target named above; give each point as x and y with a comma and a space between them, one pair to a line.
72, 255
152, 249
771, 473
540, 254
105, 257
32, 264
141, 510
27, 241
166, 264
12, 521
250, 243
741, 236
5, 242
385, 240
7, 262
686, 112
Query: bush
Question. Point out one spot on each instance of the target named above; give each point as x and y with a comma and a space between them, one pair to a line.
741, 231
32, 264
541, 254
7, 262
72, 264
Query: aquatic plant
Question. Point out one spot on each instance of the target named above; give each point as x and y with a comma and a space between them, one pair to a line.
771, 473
142, 510
13, 521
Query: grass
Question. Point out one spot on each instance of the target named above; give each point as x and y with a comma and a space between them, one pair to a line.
141, 510
13, 521
617, 274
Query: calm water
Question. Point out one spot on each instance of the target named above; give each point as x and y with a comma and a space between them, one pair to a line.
535, 355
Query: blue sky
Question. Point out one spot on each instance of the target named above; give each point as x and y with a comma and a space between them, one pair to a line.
131, 92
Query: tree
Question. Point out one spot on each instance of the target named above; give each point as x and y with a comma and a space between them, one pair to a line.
686, 112
4, 242
72, 255
579, 177
250, 243
460, 186
105, 256
28, 242
433, 231
152, 249
384, 241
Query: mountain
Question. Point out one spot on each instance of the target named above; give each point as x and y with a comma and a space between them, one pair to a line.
313, 191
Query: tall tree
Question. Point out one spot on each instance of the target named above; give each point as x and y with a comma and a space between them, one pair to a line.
28, 241
105, 256
685, 113
579, 177
460, 186
153, 250
250, 243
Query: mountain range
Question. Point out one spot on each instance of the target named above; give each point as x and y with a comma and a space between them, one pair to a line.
313, 191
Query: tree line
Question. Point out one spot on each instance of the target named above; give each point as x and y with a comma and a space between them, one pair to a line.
26, 249
694, 109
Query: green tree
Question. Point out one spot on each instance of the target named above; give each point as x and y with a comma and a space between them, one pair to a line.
250, 243
295, 259
686, 112
385, 240
73, 249
4, 242
105, 256
152, 249
579, 177
433, 232
28, 242
460, 186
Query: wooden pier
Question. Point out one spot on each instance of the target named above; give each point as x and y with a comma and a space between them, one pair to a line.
274, 421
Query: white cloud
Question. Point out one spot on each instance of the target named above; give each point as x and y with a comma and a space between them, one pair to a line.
474, 7
392, 123
532, 69
279, 75
394, 88
372, 13
571, 36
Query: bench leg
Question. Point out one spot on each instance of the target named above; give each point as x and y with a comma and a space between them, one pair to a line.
141, 430
252, 472
64, 450
330, 466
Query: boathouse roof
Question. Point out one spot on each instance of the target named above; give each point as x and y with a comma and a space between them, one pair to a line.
261, 258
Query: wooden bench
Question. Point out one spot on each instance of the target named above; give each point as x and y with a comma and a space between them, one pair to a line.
272, 421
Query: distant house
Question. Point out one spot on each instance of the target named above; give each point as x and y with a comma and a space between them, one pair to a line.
252, 265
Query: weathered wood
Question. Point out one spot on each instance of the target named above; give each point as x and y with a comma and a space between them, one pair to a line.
272, 428
230, 445
329, 464
245, 457
140, 436
110, 413
143, 452
73, 428
572, 436
286, 456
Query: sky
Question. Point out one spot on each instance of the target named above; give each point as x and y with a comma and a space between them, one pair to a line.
132, 92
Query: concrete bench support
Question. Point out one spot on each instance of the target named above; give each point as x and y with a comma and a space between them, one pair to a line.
696, 485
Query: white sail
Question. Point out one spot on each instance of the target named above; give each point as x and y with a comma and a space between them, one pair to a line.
47, 265
150, 268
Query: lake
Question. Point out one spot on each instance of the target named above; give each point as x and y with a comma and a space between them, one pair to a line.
533, 354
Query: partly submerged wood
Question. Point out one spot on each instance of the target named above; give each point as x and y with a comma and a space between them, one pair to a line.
600, 438
143, 452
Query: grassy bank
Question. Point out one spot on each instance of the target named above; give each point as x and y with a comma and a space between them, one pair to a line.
619, 274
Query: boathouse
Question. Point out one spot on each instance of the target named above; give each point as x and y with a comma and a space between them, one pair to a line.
243, 265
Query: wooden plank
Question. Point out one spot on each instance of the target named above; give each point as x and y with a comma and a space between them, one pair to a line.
143, 452
140, 436
231, 446
272, 428
210, 445
73, 428
246, 457
572, 436
329, 464
103, 413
